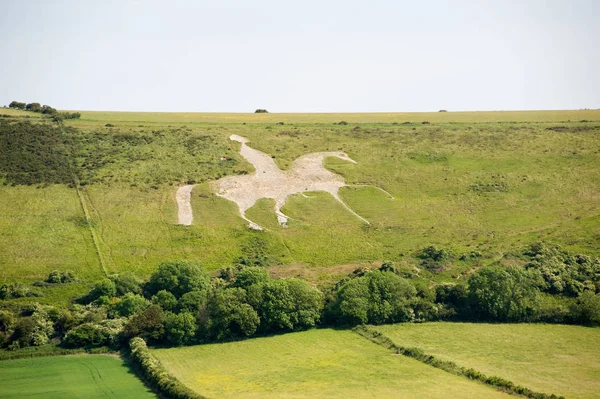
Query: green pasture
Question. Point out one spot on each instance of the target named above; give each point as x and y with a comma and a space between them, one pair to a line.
555, 359
485, 181
312, 364
89, 118
79, 376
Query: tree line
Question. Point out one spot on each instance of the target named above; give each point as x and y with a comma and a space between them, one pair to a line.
180, 304
44, 109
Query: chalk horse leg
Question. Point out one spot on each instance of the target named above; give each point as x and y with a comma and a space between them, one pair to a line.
337, 197
282, 218
251, 224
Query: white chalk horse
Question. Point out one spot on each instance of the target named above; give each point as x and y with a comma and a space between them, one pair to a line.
307, 173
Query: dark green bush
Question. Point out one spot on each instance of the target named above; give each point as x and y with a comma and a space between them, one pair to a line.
165, 300
127, 305
126, 282
58, 277
376, 298
148, 324
177, 278
587, 309
503, 294
286, 304
85, 335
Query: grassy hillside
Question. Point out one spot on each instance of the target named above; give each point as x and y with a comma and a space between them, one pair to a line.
70, 377
311, 364
546, 358
488, 181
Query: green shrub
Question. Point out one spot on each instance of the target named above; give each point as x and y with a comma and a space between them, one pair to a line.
177, 278
127, 305
102, 292
503, 294
230, 314
193, 301
58, 277
126, 282
286, 304
165, 300
180, 329
148, 324
250, 275
377, 298
86, 334
587, 309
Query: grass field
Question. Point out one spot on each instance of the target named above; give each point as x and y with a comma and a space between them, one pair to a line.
490, 181
89, 376
546, 358
312, 364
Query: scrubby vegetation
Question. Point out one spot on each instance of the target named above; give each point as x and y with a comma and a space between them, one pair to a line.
33, 153
181, 304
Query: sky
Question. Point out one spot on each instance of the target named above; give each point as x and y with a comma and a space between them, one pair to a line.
301, 56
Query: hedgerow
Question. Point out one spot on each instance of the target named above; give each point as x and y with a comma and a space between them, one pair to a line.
451, 367
155, 374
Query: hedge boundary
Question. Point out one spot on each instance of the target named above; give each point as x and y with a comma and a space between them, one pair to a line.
155, 375
450, 367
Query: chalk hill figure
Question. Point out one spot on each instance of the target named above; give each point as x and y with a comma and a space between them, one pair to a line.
307, 173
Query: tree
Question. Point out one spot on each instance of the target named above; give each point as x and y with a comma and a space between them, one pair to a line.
103, 288
33, 107
148, 324
23, 332
165, 300
7, 321
587, 309
261, 111
86, 334
503, 294
48, 110
179, 328
251, 275
126, 282
230, 314
193, 301
128, 305
178, 278
377, 297
17, 105
286, 304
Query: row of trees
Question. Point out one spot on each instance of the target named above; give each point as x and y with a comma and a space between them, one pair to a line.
180, 304
44, 109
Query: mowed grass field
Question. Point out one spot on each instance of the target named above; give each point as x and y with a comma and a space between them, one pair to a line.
559, 359
88, 376
486, 181
313, 364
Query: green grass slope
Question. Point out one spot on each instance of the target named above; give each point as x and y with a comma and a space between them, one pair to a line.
546, 358
488, 181
92, 376
312, 364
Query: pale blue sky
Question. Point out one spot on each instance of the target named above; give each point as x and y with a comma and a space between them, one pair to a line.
302, 56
